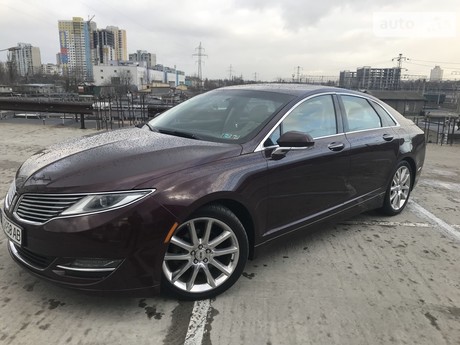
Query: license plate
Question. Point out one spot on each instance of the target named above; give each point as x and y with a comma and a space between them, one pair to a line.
12, 231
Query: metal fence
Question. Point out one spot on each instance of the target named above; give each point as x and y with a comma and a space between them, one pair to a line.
114, 112
443, 130
119, 112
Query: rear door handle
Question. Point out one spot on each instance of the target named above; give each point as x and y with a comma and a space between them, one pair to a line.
336, 146
388, 137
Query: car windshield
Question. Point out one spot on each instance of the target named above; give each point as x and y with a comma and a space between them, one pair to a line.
222, 115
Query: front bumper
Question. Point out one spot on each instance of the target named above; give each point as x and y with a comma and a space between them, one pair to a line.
115, 251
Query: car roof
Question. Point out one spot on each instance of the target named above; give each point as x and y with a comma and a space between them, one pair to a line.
292, 89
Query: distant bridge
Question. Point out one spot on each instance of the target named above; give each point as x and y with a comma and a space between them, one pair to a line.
45, 106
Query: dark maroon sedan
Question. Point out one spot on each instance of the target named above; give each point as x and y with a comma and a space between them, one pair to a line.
184, 201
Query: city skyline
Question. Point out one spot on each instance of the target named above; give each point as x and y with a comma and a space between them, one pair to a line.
268, 39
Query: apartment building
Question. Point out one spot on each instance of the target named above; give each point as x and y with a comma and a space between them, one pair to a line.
26, 59
75, 48
144, 58
103, 47
436, 73
120, 43
368, 78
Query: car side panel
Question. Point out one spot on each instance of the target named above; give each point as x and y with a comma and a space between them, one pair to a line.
306, 183
372, 159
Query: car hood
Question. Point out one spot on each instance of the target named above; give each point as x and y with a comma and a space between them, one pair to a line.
117, 160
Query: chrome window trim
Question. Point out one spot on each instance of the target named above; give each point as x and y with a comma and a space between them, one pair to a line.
261, 146
368, 129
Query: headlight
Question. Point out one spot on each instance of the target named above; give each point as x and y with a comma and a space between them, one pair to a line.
10, 195
106, 201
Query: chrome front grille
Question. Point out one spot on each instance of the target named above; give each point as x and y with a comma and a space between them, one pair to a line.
39, 208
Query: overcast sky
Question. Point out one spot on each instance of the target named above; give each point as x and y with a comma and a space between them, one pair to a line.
269, 38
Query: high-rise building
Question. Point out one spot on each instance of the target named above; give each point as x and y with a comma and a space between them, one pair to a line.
25, 59
144, 58
436, 74
104, 47
75, 42
121, 46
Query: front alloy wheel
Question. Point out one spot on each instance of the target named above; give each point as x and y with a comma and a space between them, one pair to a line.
398, 191
206, 254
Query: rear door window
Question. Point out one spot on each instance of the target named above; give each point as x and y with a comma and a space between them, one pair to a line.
360, 114
386, 119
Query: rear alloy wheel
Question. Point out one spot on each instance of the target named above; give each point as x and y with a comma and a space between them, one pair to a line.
398, 191
206, 254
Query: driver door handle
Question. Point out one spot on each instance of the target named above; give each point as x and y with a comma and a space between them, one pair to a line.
388, 137
334, 146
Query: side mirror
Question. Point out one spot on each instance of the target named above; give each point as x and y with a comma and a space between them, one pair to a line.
295, 139
292, 140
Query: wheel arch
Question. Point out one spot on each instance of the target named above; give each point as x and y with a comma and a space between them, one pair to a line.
413, 169
244, 216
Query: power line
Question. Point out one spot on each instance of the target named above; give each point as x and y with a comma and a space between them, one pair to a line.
437, 62
417, 64
430, 66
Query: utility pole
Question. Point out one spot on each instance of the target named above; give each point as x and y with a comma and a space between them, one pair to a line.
298, 68
200, 55
400, 60
230, 72
255, 77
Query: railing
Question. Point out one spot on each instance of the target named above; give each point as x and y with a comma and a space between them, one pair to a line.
440, 129
110, 112
107, 112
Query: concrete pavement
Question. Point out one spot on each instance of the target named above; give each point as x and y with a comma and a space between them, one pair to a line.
369, 280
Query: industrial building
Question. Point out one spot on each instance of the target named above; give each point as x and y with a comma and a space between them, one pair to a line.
140, 77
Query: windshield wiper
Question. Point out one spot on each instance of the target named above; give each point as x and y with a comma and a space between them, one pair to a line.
177, 133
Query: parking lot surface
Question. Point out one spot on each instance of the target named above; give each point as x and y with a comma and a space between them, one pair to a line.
368, 280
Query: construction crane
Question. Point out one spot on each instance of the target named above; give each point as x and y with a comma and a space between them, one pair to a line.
10, 49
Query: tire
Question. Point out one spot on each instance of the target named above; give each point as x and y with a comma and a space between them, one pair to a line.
206, 255
398, 190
